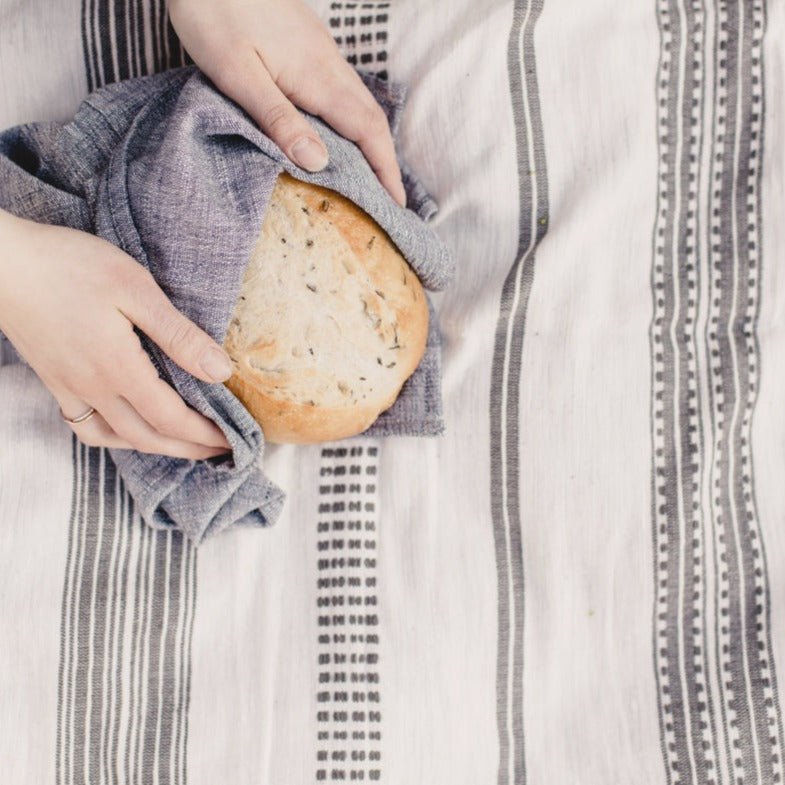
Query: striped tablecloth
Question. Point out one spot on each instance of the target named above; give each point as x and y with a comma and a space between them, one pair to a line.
582, 582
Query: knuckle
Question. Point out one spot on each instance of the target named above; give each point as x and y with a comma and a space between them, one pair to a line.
278, 119
165, 424
180, 334
135, 279
373, 119
93, 379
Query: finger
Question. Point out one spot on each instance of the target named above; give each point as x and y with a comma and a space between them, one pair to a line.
167, 413
249, 84
345, 103
94, 432
128, 424
144, 303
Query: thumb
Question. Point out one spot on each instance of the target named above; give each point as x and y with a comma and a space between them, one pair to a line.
177, 336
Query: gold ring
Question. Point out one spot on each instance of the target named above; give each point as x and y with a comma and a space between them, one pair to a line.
81, 418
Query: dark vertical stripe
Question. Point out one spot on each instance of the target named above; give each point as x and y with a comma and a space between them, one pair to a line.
184, 665
98, 618
188, 648
82, 616
105, 40
141, 562
136, 726
168, 664
139, 42
125, 521
121, 37
163, 32
63, 680
133, 37
115, 638
87, 47
155, 34
157, 622
504, 414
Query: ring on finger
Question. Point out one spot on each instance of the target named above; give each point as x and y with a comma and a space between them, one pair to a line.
80, 419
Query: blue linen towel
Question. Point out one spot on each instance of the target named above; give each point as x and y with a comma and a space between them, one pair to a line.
179, 177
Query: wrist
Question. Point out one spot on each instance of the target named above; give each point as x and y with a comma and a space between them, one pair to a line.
12, 232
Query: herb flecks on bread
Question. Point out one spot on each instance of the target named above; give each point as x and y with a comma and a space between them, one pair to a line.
330, 321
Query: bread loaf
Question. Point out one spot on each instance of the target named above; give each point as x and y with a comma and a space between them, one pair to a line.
330, 321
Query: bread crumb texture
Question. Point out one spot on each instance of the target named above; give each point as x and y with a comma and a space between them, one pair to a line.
330, 317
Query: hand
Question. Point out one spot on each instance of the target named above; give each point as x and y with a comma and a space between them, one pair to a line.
272, 55
68, 303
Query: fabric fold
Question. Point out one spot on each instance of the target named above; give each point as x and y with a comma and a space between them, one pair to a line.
178, 176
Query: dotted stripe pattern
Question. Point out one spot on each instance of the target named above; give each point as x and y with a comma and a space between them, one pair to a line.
348, 698
720, 722
360, 30
682, 679
746, 677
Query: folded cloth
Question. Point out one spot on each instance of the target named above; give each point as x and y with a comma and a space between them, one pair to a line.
179, 177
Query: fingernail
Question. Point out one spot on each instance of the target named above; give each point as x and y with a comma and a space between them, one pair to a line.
309, 155
216, 364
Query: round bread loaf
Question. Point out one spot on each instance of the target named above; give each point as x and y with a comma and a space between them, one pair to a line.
330, 321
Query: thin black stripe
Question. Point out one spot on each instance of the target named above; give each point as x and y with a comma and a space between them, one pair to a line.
125, 521
505, 475
155, 34
141, 563
188, 649
167, 664
117, 601
157, 622
87, 47
95, 30
100, 618
62, 680
121, 38
105, 42
137, 42
82, 619
133, 38
184, 662
139, 715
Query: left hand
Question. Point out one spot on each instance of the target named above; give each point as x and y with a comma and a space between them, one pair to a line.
272, 55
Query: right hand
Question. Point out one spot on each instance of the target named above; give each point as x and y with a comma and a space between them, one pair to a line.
68, 304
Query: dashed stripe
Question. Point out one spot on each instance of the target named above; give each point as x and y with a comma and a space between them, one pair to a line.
349, 716
360, 30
